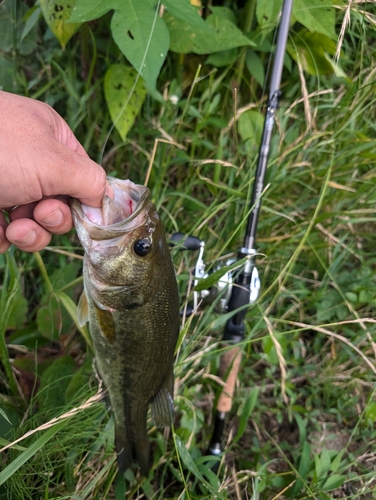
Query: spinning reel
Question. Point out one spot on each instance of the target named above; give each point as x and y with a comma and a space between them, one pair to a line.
221, 291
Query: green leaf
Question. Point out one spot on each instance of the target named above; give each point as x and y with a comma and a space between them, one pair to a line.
333, 482
5, 442
223, 58
215, 276
267, 13
56, 13
304, 469
143, 38
25, 43
247, 410
184, 10
4, 415
370, 412
71, 308
31, 19
18, 312
223, 35
49, 317
191, 466
250, 125
322, 463
255, 67
125, 93
88, 10
316, 15
312, 50
139, 32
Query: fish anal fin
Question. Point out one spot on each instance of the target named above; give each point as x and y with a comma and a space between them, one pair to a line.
162, 406
106, 323
83, 310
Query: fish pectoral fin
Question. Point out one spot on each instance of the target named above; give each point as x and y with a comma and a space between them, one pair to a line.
106, 323
162, 406
83, 310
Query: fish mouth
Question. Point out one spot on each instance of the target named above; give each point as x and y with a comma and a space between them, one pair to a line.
118, 215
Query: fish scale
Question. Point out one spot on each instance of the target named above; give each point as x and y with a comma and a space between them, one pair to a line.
132, 305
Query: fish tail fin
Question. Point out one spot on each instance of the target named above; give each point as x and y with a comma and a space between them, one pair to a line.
123, 450
132, 448
142, 452
162, 406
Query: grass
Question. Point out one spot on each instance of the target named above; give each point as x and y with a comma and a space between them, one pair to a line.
302, 422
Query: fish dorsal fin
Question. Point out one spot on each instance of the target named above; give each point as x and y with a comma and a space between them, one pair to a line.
162, 406
106, 323
83, 310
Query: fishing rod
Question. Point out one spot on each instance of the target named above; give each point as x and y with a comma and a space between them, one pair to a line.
246, 286
235, 291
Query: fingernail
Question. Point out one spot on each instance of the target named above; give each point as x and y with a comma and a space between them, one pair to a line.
55, 218
28, 239
109, 192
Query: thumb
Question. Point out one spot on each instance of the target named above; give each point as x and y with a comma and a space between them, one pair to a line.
75, 175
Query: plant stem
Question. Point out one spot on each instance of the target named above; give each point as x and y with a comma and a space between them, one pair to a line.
249, 14
43, 272
6, 297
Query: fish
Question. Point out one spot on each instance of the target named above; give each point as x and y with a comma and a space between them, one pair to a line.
131, 301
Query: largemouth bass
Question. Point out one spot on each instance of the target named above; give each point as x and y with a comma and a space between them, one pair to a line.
131, 301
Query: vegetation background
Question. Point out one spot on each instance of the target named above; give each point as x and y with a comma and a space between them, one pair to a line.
191, 107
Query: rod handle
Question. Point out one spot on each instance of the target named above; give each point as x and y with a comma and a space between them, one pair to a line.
229, 364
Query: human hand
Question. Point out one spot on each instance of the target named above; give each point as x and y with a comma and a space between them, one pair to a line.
41, 165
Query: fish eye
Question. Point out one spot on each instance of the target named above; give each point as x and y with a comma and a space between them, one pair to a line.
142, 247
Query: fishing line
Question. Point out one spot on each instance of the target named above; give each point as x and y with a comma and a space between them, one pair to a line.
135, 83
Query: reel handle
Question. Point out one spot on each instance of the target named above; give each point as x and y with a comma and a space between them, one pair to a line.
184, 242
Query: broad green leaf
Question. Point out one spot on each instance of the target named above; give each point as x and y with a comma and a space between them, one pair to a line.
139, 32
223, 35
224, 13
316, 15
189, 463
18, 312
88, 10
125, 93
250, 125
13, 467
322, 463
333, 482
268, 12
184, 10
370, 412
143, 38
56, 13
49, 317
312, 50
223, 58
255, 67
